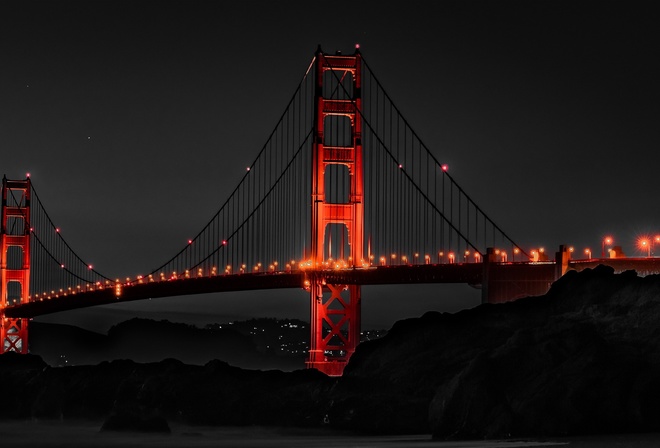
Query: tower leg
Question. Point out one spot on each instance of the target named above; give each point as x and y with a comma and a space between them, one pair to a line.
335, 326
14, 335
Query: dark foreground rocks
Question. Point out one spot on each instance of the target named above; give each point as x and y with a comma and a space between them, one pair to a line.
583, 359
214, 394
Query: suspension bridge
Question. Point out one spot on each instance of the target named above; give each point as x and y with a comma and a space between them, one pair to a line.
342, 194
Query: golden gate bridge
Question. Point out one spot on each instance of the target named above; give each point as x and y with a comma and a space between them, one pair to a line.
342, 194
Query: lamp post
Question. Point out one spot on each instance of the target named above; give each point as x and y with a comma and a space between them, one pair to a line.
587, 251
607, 241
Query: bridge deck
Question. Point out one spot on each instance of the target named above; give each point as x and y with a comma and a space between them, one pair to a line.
470, 273
510, 280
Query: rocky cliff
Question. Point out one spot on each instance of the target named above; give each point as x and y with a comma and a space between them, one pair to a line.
584, 358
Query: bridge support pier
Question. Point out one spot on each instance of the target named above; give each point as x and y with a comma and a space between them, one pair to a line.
504, 282
561, 261
14, 267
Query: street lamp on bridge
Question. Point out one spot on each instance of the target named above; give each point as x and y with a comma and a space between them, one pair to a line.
607, 241
645, 244
587, 251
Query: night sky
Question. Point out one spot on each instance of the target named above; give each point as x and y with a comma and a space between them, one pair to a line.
137, 119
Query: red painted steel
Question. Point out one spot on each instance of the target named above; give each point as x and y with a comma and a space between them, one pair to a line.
335, 308
14, 331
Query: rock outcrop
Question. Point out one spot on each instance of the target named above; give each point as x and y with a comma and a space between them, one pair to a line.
214, 394
584, 358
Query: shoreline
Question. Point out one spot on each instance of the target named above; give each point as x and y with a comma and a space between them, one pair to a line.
79, 434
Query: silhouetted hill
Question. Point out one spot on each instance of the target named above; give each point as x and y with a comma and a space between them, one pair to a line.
213, 394
62, 345
145, 340
583, 359
277, 337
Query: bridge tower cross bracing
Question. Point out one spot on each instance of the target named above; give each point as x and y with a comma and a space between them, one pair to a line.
335, 309
14, 233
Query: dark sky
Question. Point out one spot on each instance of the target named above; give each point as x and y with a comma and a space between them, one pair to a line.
137, 119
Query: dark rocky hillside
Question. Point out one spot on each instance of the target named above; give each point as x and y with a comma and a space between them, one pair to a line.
214, 394
146, 340
583, 359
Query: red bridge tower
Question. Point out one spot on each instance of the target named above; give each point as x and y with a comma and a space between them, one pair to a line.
14, 267
335, 309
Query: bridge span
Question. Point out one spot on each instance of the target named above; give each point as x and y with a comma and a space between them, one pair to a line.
499, 281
